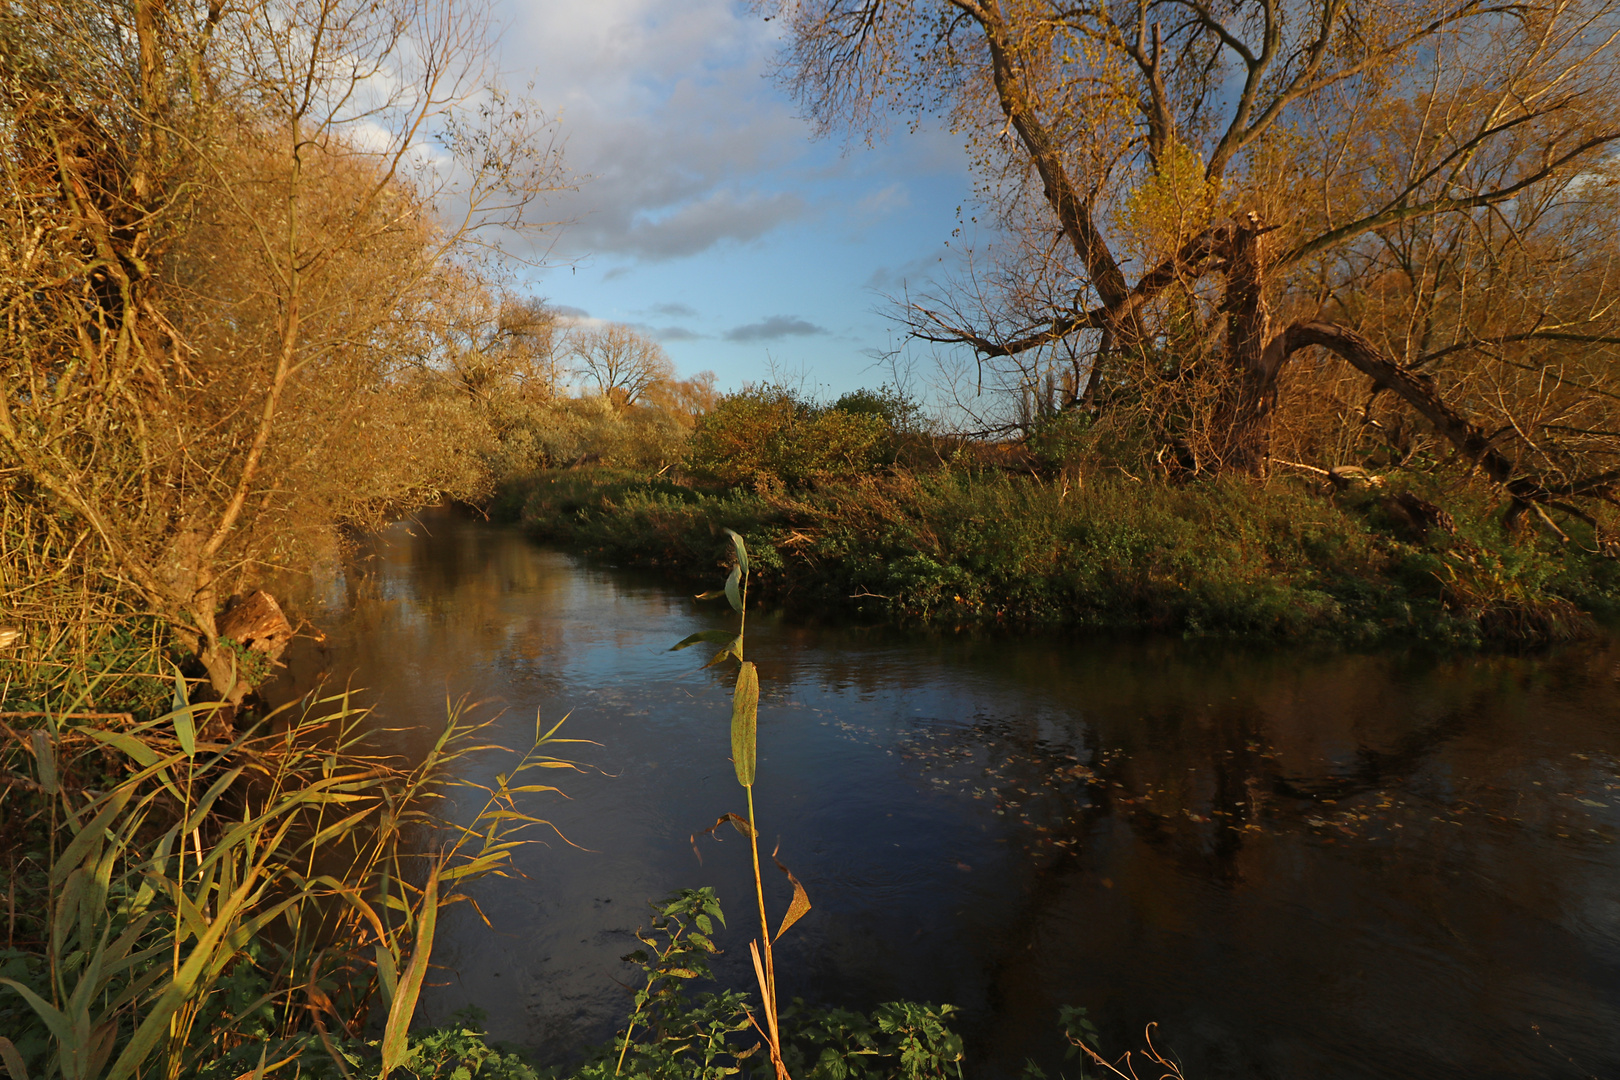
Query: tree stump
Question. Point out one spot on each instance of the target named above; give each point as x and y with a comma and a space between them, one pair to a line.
256, 623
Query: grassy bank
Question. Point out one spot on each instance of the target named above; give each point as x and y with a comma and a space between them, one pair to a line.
1285, 558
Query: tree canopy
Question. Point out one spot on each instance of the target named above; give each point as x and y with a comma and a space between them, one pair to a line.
221, 230
1189, 195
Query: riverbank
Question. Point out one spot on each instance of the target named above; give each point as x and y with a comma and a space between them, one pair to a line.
1244, 843
1287, 558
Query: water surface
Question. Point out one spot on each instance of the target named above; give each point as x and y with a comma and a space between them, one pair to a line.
1298, 863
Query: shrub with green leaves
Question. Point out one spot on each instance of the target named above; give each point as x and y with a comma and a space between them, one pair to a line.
675, 1034
768, 438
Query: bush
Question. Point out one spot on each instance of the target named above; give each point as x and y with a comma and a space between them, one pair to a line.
675, 1034
900, 412
768, 438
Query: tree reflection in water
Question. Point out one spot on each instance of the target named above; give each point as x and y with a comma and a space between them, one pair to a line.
1300, 862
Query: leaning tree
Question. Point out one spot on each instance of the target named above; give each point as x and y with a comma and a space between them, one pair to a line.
1193, 197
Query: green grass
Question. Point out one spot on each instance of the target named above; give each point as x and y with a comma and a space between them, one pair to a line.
1226, 557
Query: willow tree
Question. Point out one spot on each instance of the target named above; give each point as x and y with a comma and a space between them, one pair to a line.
220, 217
1191, 195
621, 364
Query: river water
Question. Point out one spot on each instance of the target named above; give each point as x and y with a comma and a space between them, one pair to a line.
1297, 863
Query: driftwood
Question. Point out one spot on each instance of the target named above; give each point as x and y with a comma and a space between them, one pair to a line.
1353, 478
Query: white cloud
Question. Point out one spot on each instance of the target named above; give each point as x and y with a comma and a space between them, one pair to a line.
668, 333
914, 273
885, 201
666, 112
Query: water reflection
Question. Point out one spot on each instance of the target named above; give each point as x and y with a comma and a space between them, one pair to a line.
1299, 864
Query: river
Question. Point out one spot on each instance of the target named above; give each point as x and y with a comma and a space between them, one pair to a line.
1298, 862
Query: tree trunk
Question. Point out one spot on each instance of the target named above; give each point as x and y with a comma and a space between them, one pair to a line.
1243, 421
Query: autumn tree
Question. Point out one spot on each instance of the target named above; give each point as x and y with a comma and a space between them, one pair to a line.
1192, 195
621, 364
221, 226
486, 342
685, 399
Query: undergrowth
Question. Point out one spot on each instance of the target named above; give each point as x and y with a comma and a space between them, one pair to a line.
1230, 556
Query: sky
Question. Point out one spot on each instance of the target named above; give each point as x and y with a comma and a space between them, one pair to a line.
708, 214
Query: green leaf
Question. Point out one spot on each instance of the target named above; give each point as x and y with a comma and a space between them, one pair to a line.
55, 1019
745, 723
45, 756
733, 648
181, 699
12, 1060
132, 747
387, 976
396, 1035
742, 550
74, 853
734, 594
185, 729
713, 637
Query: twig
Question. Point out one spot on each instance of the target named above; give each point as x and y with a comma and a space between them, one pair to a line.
1300, 465
127, 717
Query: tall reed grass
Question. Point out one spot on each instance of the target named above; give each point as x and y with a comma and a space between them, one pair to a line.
744, 756
185, 908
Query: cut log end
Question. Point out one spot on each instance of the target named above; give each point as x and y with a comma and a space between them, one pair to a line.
256, 622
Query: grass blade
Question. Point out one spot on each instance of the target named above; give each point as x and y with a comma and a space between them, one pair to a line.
12, 1060
742, 550
45, 755
396, 1035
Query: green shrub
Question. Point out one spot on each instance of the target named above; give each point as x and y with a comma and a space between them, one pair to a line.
674, 1034
768, 438
900, 412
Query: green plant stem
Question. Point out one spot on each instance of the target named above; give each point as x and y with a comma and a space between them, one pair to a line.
768, 990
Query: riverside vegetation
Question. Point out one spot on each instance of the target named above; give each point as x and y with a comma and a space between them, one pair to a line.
198, 886
853, 508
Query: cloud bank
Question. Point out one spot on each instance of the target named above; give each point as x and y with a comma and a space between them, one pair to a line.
774, 328
677, 149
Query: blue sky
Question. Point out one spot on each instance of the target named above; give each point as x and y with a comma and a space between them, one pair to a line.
708, 215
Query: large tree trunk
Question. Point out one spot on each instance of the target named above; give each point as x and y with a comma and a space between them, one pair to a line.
1243, 422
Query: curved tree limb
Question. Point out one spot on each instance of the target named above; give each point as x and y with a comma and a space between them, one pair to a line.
1419, 391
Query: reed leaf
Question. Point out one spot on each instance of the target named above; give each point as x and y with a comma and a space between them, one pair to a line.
799, 907
745, 723
713, 637
12, 1060
395, 1041
741, 549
